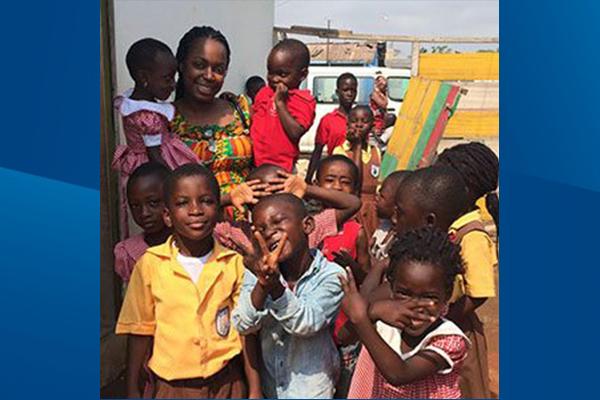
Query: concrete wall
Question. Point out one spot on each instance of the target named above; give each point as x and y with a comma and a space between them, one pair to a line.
247, 25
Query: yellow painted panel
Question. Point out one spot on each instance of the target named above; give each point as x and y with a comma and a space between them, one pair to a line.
455, 67
473, 124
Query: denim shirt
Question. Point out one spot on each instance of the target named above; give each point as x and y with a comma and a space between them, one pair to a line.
300, 358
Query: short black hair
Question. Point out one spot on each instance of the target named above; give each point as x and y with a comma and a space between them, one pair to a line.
187, 170
479, 167
296, 48
286, 198
254, 84
427, 245
439, 190
265, 168
148, 169
363, 108
345, 76
396, 178
340, 158
141, 55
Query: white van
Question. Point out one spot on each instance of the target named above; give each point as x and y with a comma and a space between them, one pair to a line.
321, 82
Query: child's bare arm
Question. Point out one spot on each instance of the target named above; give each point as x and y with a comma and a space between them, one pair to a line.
315, 158
374, 278
251, 353
137, 347
292, 128
362, 251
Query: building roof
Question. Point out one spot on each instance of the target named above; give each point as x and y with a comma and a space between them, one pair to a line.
346, 53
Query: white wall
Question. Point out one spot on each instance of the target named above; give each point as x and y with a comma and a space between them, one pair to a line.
247, 25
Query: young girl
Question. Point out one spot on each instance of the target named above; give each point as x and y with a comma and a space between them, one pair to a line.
146, 121
146, 200
368, 159
410, 350
181, 294
478, 166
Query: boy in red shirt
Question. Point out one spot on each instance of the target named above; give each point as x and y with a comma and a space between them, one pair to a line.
332, 127
282, 112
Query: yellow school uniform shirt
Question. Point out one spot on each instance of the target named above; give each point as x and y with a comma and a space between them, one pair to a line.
479, 255
190, 322
365, 154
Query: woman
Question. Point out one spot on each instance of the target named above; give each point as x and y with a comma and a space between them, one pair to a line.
215, 129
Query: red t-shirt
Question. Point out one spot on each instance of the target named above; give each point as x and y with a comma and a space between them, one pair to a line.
332, 130
271, 143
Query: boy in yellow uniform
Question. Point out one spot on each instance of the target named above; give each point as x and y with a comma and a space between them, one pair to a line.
182, 294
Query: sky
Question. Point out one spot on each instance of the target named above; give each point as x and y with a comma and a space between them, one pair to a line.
395, 17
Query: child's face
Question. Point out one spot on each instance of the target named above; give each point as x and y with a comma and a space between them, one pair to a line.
347, 92
360, 123
192, 208
385, 200
145, 199
204, 69
283, 68
336, 175
161, 78
420, 281
276, 217
407, 213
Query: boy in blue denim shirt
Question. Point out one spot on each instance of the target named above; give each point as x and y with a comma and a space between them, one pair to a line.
292, 298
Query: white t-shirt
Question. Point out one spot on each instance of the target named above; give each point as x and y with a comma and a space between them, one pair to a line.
193, 265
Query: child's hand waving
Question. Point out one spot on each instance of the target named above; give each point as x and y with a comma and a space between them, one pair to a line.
289, 183
354, 305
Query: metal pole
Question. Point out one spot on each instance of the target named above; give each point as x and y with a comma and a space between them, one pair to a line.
328, 27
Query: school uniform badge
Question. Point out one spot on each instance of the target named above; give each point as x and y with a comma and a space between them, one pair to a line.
223, 322
375, 171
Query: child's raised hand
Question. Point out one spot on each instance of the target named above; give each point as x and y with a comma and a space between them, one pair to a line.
354, 305
343, 258
267, 269
400, 313
288, 183
281, 92
248, 193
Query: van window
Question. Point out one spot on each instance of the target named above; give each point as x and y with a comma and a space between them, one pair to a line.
324, 89
397, 87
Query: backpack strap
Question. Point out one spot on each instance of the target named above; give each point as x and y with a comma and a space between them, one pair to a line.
468, 228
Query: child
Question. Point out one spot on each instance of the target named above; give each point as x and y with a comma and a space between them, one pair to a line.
384, 234
412, 351
332, 127
478, 166
348, 248
145, 121
195, 353
146, 200
368, 158
282, 112
253, 85
292, 296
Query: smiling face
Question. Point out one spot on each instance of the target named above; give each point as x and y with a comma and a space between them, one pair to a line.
282, 67
413, 280
192, 208
273, 217
161, 77
145, 197
203, 70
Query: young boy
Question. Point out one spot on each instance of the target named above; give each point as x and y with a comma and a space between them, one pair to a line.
332, 127
380, 242
292, 297
282, 112
368, 159
253, 85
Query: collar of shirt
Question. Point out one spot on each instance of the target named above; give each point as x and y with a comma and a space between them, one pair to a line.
365, 154
474, 215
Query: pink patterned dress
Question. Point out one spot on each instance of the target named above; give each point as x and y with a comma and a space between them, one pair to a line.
146, 124
127, 253
447, 340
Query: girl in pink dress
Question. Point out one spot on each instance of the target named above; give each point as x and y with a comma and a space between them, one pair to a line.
410, 350
146, 117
